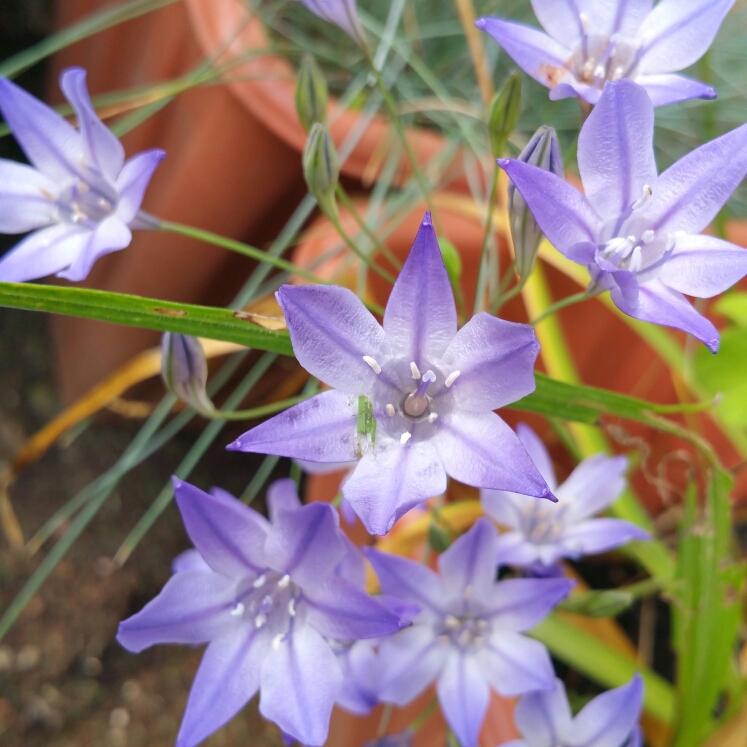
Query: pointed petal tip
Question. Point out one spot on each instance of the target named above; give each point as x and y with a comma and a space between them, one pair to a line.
503, 162
713, 345
427, 218
548, 494
481, 23
234, 446
176, 482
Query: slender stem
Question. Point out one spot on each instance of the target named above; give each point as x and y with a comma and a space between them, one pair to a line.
258, 412
480, 292
576, 298
420, 721
386, 716
504, 298
467, 16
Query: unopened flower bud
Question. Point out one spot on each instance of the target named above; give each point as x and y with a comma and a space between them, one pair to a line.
452, 260
311, 93
342, 13
184, 371
542, 151
504, 114
321, 167
608, 603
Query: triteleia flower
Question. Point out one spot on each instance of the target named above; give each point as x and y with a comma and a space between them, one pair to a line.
610, 720
541, 533
343, 13
80, 198
467, 635
424, 392
266, 597
636, 232
184, 371
591, 42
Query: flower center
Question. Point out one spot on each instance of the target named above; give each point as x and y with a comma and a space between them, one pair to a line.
465, 632
598, 58
416, 403
270, 601
543, 525
86, 204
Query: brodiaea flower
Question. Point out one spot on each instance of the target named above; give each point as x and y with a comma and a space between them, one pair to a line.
636, 232
467, 634
267, 597
591, 42
431, 391
80, 198
342, 13
542, 532
610, 720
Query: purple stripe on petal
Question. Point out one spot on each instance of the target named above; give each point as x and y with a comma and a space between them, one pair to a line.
301, 679
672, 89
479, 449
226, 681
420, 318
321, 429
305, 543
463, 694
561, 19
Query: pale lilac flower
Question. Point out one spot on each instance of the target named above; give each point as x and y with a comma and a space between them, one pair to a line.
80, 198
541, 533
636, 232
343, 13
267, 597
544, 719
591, 42
431, 390
467, 636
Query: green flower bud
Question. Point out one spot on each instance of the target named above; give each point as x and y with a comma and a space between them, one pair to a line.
321, 167
598, 603
311, 93
438, 538
184, 371
504, 114
543, 151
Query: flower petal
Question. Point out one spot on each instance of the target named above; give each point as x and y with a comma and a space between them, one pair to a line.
229, 535
503, 507
703, 266
387, 483
495, 360
565, 216
420, 318
26, 198
360, 669
44, 252
352, 567
470, 561
661, 305
189, 560
515, 549
133, 180
535, 53
49, 141
600, 535
407, 580
338, 609
678, 33
572, 87
301, 679
282, 495
615, 149
109, 236
611, 717
193, 607
626, 16
518, 604
463, 695
672, 89
544, 717
479, 449
689, 194
226, 681
410, 660
103, 151
332, 331
514, 664
342, 13
321, 429
538, 453
561, 19
592, 486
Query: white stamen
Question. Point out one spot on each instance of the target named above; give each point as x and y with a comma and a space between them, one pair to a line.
83, 187
647, 192
405, 437
432, 417
292, 607
284, 581
260, 620
414, 370
599, 71
451, 621
390, 410
635, 260
238, 610
584, 22
452, 378
277, 640
648, 236
372, 362
618, 74
429, 376
260, 582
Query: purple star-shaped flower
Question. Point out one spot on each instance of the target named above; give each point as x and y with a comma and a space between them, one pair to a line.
638, 233
542, 533
343, 13
467, 634
431, 389
267, 597
80, 198
592, 42
610, 720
